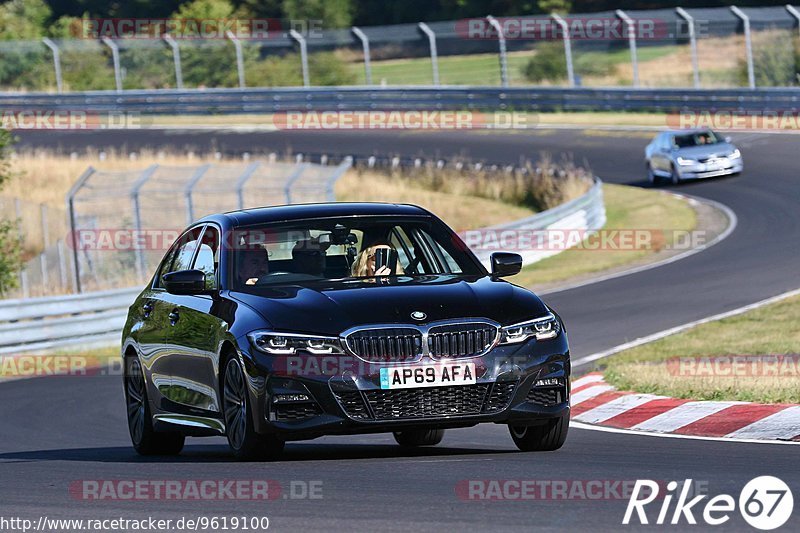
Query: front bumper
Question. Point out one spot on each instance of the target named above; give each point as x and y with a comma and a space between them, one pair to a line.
306, 397
723, 167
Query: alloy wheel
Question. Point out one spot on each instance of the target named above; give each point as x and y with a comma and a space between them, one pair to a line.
135, 399
235, 398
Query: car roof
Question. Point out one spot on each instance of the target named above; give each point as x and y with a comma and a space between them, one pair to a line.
283, 213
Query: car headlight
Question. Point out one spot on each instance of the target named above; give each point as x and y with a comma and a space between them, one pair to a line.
684, 161
736, 154
277, 343
541, 329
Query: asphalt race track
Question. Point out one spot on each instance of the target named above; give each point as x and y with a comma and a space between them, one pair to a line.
57, 431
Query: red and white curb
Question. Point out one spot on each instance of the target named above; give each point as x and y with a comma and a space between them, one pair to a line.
596, 402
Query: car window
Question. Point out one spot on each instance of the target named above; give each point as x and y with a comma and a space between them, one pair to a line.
164, 267
185, 252
207, 259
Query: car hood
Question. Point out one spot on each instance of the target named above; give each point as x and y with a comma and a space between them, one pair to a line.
330, 308
718, 149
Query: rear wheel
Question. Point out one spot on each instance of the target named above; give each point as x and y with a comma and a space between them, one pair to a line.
245, 443
545, 437
146, 441
419, 437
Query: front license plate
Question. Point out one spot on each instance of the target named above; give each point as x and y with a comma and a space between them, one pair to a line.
407, 377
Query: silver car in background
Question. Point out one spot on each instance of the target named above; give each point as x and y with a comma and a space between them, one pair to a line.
679, 155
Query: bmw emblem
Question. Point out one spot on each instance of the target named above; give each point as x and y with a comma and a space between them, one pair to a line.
418, 315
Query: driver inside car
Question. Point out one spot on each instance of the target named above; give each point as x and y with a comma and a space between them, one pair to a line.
364, 265
253, 263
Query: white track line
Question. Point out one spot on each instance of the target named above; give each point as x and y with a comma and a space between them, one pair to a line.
733, 221
601, 413
589, 393
580, 425
682, 415
585, 380
677, 329
781, 425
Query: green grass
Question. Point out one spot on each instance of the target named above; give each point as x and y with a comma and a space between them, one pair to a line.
626, 208
484, 69
770, 330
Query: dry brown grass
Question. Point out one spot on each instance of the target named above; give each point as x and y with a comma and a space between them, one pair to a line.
44, 178
459, 211
718, 58
770, 330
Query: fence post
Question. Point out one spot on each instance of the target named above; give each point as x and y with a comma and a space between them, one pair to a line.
23, 280
501, 41
434, 52
748, 45
337, 173
137, 215
246, 175
56, 63
18, 221
199, 173
62, 263
176, 59
795, 13
45, 228
293, 177
365, 45
567, 46
115, 56
303, 54
631, 24
237, 45
692, 43
76, 267
45, 273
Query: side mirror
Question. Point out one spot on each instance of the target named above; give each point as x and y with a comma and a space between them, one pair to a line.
506, 264
185, 282
728, 139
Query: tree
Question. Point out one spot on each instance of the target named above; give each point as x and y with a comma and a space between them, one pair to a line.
561, 7
10, 252
332, 13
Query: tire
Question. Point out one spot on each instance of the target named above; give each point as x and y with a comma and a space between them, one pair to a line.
651, 177
245, 443
145, 440
546, 437
674, 176
419, 437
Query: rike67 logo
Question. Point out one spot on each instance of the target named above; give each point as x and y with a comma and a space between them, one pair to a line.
765, 503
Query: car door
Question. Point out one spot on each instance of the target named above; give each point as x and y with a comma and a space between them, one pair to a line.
150, 330
657, 155
194, 334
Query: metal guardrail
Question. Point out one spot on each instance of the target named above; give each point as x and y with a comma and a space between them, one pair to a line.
61, 321
273, 100
79, 319
583, 214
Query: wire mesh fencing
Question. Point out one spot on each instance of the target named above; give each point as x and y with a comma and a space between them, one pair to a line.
121, 223
693, 47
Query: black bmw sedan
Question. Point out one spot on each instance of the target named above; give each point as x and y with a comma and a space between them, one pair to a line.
287, 323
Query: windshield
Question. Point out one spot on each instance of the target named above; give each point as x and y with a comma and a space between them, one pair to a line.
700, 138
350, 248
